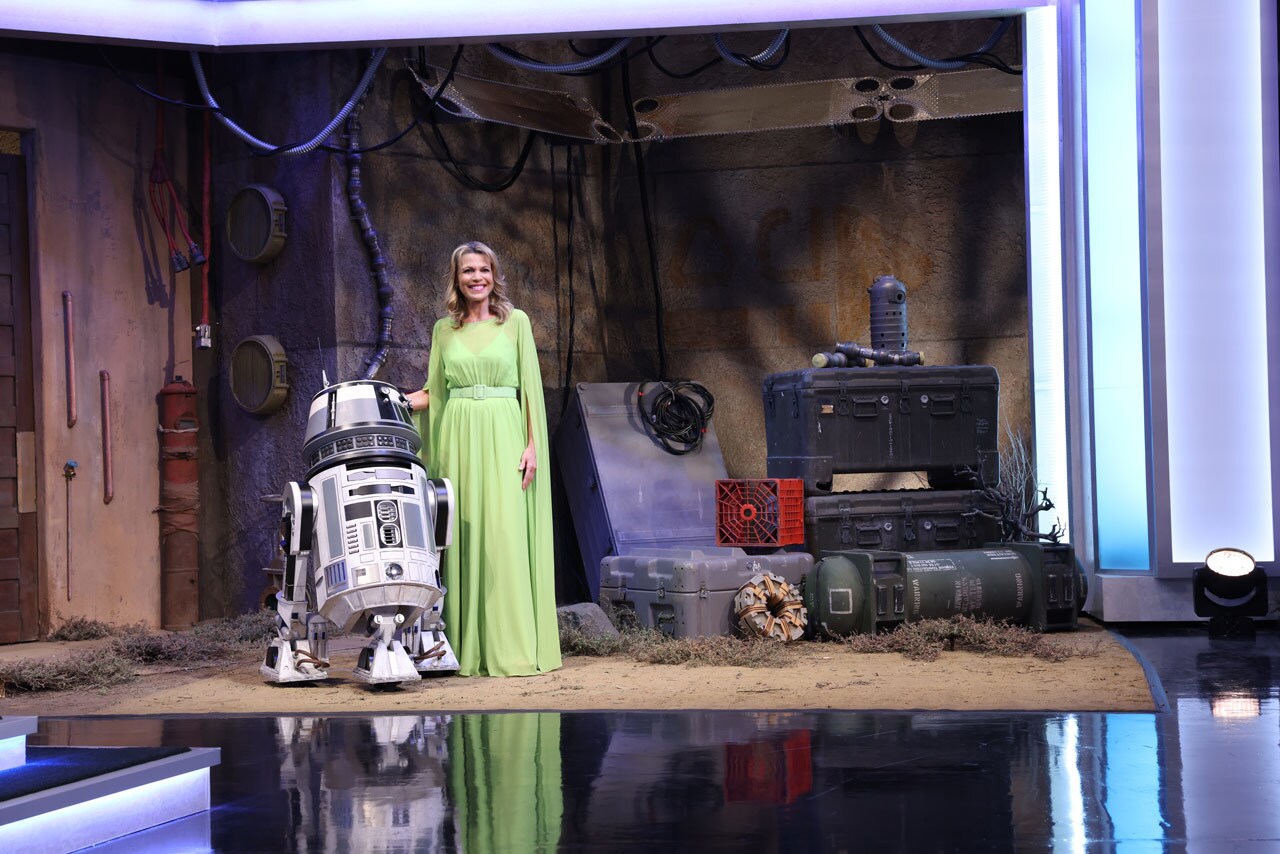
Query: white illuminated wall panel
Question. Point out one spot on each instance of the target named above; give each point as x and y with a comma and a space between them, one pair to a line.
1214, 277
1044, 261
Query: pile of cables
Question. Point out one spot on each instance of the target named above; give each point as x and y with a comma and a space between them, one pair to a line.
676, 413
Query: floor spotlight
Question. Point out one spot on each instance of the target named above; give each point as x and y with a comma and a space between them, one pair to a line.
1230, 589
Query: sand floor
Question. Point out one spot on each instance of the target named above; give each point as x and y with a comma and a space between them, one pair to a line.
817, 676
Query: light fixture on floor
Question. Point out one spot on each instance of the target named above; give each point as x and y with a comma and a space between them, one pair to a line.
1230, 589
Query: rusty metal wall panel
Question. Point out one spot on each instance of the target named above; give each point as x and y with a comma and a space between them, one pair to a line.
545, 110
846, 100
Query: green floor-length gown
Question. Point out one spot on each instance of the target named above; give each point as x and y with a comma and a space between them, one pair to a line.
500, 609
505, 781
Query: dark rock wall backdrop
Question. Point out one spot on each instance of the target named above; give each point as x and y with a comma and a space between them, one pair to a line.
766, 244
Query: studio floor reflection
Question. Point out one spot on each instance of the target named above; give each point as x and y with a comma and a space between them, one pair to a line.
1203, 775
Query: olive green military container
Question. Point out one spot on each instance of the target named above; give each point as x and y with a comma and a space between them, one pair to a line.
1028, 584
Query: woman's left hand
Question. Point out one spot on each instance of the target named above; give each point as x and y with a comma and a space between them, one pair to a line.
528, 465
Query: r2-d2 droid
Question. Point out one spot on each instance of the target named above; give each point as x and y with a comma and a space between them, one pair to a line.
363, 537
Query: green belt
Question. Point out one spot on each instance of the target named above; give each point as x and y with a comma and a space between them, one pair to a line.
480, 392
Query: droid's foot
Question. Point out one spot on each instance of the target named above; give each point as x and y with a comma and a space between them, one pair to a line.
433, 654
382, 662
292, 661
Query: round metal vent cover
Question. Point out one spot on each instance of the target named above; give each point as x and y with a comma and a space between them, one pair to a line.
259, 374
256, 223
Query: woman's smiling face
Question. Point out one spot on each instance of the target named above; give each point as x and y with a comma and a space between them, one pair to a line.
475, 278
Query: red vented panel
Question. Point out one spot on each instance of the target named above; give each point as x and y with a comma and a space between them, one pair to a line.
760, 512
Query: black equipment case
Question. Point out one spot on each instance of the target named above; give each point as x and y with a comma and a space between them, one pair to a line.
901, 520
942, 420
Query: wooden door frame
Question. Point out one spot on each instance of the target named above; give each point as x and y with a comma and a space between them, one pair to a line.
33, 623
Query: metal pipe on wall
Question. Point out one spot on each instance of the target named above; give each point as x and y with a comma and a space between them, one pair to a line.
69, 342
108, 485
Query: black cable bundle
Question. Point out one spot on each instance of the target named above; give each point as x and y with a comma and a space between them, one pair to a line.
677, 414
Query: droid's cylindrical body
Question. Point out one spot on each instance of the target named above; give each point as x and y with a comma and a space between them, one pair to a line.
379, 521
888, 314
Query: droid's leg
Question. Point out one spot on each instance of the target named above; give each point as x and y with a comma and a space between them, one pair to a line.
426, 639
291, 656
384, 658
428, 645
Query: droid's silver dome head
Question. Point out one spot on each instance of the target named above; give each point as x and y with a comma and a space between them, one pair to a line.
361, 420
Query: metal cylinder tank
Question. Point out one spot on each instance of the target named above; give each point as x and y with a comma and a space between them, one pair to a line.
888, 314
179, 509
994, 583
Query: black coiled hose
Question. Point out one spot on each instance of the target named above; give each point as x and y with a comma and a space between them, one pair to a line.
676, 413
377, 261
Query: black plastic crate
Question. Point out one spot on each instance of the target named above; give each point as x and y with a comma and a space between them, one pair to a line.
902, 520
942, 420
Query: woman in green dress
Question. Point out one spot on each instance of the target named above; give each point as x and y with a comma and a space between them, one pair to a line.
486, 430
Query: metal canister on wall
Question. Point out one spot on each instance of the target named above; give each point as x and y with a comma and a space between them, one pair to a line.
179, 506
888, 298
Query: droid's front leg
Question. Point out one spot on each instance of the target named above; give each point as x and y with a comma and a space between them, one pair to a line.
383, 658
296, 655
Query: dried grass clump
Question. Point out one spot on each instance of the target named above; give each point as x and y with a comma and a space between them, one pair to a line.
94, 669
256, 627
652, 647
574, 641
925, 640
79, 629
139, 645
217, 640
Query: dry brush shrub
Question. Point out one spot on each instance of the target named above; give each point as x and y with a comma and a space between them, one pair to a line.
80, 628
253, 628
574, 641
653, 647
140, 645
217, 640
93, 669
650, 646
925, 640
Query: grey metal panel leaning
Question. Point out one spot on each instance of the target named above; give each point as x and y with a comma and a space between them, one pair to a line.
624, 491
689, 592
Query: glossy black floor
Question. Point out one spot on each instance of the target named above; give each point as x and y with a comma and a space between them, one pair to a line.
1201, 775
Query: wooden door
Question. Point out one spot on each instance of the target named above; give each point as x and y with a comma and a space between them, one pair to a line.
19, 573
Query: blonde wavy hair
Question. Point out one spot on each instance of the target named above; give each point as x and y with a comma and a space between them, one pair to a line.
456, 303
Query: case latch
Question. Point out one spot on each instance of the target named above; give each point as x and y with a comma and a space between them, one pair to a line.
846, 524
908, 524
842, 402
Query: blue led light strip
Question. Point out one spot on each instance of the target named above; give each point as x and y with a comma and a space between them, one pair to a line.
1116, 303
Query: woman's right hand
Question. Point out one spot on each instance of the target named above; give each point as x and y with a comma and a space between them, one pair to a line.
418, 400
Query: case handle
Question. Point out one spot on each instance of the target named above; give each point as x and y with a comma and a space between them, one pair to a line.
942, 404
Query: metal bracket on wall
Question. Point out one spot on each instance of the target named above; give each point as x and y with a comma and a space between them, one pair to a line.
819, 103
544, 110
